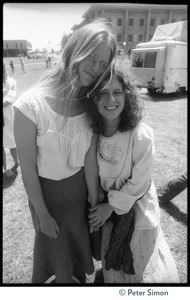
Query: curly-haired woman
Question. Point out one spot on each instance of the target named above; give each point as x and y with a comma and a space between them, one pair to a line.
133, 246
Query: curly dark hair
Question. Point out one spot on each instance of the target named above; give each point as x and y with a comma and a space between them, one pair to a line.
132, 112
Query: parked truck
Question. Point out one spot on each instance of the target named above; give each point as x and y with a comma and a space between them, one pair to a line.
160, 65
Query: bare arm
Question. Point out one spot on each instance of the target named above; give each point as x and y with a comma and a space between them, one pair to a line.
91, 172
25, 137
6, 103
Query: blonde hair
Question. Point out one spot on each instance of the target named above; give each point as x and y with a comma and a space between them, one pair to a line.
81, 43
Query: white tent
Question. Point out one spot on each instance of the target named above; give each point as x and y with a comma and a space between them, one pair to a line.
172, 31
30, 51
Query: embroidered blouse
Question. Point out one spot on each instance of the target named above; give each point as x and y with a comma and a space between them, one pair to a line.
61, 148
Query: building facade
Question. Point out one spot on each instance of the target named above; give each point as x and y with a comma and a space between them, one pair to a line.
15, 47
134, 23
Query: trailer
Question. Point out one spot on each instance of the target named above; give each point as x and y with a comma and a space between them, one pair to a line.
161, 64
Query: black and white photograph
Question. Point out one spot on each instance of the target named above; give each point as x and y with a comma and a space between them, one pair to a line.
95, 148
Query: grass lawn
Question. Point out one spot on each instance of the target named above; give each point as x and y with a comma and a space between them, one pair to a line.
168, 118
33, 68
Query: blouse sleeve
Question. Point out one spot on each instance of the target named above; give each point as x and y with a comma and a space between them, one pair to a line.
28, 105
139, 182
11, 91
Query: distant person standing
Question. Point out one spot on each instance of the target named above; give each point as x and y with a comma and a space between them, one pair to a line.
49, 61
12, 66
9, 95
22, 64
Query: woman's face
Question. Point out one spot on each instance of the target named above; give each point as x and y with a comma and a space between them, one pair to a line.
111, 99
94, 65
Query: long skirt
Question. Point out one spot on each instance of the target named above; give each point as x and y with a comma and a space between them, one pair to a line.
152, 258
66, 201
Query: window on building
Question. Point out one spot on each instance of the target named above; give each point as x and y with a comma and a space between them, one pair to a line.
141, 22
152, 22
7, 45
140, 37
16, 45
119, 22
130, 22
163, 21
20, 45
118, 37
130, 37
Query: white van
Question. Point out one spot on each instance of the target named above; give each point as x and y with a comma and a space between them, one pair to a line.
161, 64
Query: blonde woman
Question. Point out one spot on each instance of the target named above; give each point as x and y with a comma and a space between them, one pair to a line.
53, 136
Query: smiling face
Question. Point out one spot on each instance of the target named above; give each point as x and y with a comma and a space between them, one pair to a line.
111, 100
94, 65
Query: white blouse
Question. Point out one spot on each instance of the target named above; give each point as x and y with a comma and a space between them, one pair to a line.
125, 163
61, 148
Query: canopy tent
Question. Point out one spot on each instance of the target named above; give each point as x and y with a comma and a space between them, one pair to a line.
30, 51
172, 31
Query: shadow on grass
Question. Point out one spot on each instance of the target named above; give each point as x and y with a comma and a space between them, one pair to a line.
7, 182
174, 211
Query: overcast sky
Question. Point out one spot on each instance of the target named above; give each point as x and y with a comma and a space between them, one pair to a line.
42, 24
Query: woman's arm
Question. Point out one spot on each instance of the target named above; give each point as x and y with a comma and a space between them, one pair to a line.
138, 184
25, 137
98, 213
91, 175
6, 103
91, 172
